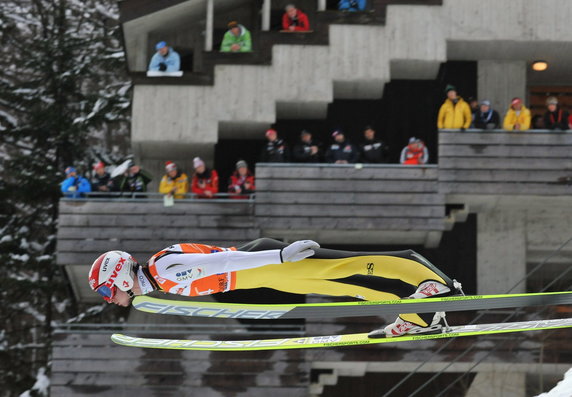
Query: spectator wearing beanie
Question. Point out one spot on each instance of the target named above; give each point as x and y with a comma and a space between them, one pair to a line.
486, 117
205, 180
101, 180
308, 150
74, 185
174, 183
341, 151
133, 180
415, 153
555, 117
276, 150
455, 113
373, 150
241, 182
517, 117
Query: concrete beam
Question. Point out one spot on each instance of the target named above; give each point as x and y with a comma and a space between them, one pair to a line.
500, 81
501, 252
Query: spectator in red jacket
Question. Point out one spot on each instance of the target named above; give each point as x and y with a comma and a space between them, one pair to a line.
241, 181
415, 153
295, 20
205, 181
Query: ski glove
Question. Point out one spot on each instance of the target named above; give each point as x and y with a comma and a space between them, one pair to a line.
298, 250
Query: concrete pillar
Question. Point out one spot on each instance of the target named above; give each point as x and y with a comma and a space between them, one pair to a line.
500, 81
266, 15
209, 25
498, 384
501, 252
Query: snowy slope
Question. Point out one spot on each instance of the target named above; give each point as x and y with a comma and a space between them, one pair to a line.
563, 388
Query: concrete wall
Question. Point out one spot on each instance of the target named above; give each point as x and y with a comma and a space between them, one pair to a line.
357, 63
500, 81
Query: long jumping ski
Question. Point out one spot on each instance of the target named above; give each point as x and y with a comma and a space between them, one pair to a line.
348, 309
308, 342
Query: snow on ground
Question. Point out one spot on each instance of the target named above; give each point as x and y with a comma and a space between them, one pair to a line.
562, 389
42, 385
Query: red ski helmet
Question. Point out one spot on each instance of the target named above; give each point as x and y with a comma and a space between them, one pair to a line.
112, 270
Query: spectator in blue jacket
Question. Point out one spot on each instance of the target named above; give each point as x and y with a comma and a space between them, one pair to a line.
351, 5
165, 59
74, 185
341, 151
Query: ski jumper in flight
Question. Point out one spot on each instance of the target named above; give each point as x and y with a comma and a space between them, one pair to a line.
301, 268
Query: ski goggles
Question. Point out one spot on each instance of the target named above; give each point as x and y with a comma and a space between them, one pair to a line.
106, 292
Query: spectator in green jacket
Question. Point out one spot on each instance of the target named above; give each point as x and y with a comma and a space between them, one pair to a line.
133, 180
236, 39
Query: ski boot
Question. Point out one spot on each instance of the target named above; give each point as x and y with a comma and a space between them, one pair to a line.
401, 327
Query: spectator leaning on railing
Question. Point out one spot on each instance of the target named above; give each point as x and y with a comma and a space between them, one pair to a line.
455, 113
486, 117
294, 20
101, 180
373, 150
555, 117
307, 150
133, 180
474, 106
236, 39
415, 153
205, 181
74, 185
174, 183
241, 182
351, 5
165, 59
275, 150
517, 117
341, 151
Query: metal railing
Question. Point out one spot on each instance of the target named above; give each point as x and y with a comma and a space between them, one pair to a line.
503, 131
157, 197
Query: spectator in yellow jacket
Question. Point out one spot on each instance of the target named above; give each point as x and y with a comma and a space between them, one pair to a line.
455, 113
174, 182
518, 117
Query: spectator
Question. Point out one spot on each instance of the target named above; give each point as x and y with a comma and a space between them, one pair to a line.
165, 59
276, 150
236, 39
474, 106
101, 180
415, 153
517, 117
373, 150
174, 183
133, 180
241, 182
205, 181
486, 117
351, 5
295, 20
455, 113
308, 150
341, 151
537, 122
555, 118
74, 185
